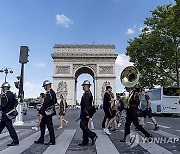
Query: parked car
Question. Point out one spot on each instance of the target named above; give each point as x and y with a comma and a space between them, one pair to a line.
38, 106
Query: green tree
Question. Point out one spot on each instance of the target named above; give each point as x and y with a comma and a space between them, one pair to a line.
156, 51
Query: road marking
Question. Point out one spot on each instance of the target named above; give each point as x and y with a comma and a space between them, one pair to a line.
6, 134
178, 130
166, 134
9, 138
91, 123
104, 145
152, 147
159, 125
62, 143
23, 145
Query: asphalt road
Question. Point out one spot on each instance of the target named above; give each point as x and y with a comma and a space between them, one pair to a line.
67, 139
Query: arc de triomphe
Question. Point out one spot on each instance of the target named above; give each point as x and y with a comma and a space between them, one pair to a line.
70, 61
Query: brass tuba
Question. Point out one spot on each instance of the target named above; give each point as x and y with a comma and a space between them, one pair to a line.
129, 78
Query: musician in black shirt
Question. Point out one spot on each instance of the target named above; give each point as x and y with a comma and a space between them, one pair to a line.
132, 115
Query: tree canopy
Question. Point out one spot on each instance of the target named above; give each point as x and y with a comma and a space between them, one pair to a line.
156, 51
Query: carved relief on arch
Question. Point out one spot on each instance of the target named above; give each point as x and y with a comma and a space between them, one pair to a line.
103, 89
62, 89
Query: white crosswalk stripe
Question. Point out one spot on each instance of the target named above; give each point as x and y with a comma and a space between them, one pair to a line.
152, 147
159, 125
62, 143
23, 145
166, 134
19, 135
103, 144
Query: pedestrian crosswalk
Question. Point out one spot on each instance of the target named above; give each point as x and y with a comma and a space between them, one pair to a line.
104, 144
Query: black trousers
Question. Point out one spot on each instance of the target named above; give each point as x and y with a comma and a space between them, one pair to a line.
47, 121
132, 117
8, 124
87, 133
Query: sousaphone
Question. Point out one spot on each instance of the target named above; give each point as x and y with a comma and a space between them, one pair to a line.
129, 76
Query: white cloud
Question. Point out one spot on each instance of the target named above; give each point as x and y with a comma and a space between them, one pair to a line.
39, 65
131, 30
32, 90
63, 20
122, 62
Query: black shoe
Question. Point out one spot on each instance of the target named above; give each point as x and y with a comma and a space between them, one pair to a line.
38, 142
83, 144
94, 140
123, 140
156, 128
13, 144
49, 143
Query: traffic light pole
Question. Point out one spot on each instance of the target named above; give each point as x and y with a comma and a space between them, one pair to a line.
19, 117
23, 59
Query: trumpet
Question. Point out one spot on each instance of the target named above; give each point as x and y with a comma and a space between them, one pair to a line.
129, 77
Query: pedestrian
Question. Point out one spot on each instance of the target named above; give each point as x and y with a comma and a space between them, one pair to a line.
146, 109
7, 103
107, 104
49, 104
132, 107
62, 111
40, 113
120, 110
86, 104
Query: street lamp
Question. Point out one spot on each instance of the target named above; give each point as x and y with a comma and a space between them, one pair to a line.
6, 71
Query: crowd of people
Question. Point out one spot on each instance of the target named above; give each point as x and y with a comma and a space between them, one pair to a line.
132, 110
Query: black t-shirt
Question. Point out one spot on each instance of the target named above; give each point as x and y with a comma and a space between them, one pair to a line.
106, 100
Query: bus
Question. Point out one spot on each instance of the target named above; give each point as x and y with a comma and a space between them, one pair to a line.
165, 100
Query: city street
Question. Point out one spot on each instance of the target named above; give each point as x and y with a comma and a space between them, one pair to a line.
67, 139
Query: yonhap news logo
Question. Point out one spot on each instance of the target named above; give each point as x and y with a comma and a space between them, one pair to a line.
133, 139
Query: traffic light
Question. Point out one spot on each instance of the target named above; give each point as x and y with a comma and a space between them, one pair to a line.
17, 83
23, 58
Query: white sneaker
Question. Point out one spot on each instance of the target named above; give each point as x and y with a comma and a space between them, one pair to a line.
35, 128
119, 124
107, 131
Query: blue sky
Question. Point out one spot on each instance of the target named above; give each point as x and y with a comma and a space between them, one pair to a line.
40, 24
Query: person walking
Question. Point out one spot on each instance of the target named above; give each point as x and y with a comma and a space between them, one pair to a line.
107, 104
146, 109
7, 103
86, 103
40, 113
132, 116
62, 111
49, 102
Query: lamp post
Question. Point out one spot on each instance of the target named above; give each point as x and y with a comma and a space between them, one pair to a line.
6, 71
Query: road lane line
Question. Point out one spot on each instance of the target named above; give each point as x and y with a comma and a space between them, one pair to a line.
62, 143
159, 125
166, 134
178, 130
104, 145
152, 147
